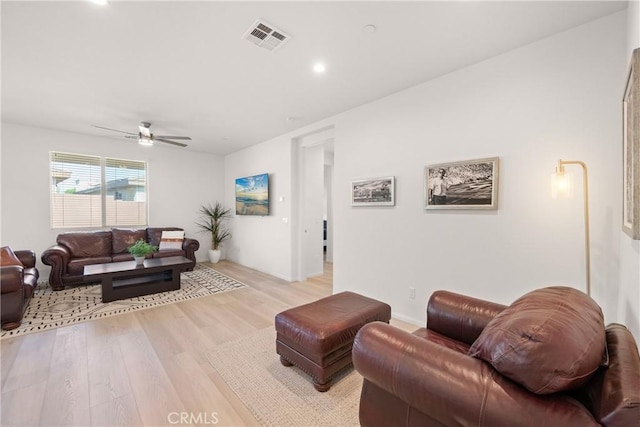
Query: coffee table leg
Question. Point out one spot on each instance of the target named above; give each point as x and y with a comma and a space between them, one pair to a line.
175, 278
107, 289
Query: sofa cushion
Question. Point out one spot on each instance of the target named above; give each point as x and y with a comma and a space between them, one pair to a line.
87, 244
7, 257
548, 340
168, 253
442, 340
123, 238
121, 257
171, 240
154, 234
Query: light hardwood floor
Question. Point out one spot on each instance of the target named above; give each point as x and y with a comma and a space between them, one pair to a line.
137, 368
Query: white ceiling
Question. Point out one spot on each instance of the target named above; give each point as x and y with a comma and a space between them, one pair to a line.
183, 66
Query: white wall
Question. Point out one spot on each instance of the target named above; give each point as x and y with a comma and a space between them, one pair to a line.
633, 26
556, 98
628, 296
262, 242
180, 181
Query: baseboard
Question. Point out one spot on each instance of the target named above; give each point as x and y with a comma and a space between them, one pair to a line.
316, 274
407, 319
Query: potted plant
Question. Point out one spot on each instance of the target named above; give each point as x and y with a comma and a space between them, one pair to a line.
140, 249
212, 221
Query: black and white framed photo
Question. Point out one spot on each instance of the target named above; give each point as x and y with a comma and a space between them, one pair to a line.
631, 150
468, 184
373, 192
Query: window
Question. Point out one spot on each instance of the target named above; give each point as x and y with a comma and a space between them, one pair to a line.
90, 191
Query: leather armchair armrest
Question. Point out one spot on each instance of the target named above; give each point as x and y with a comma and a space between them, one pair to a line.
27, 258
11, 278
459, 316
614, 392
451, 387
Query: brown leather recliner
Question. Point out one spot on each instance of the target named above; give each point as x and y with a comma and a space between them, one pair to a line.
431, 377
17, 284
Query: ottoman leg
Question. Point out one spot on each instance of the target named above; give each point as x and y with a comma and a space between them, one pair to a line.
285, 362
321, 387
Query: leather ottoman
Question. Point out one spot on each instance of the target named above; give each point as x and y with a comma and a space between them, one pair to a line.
318, 337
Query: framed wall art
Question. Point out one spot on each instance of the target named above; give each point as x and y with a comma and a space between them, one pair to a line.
468, 184
631, 150
373, 192
252, 195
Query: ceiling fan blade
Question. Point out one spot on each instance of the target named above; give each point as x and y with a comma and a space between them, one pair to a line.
179, 144
115, 130
173, 137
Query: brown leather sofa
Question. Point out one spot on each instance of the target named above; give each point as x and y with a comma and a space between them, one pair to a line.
437, 377
73, 251
17, 284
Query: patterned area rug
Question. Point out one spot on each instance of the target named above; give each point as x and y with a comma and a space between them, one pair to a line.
53, 309
252, 369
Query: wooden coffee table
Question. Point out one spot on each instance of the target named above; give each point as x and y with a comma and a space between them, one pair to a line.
122, 280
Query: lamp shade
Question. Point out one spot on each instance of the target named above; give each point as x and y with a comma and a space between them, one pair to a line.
561, 185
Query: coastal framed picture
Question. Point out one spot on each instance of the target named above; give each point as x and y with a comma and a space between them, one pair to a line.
467, 184
373, 192
252, 195
631, 150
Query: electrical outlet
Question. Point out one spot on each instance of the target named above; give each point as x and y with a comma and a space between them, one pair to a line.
412, 293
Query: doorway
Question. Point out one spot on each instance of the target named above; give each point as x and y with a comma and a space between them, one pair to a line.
313, 173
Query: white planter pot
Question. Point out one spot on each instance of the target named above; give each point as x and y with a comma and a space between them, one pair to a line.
214, 255
139, 260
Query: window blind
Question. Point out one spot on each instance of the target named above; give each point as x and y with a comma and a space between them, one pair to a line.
126, 190
90, 191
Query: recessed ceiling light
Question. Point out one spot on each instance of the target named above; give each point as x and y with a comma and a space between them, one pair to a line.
369, 29
319, 68
99, 2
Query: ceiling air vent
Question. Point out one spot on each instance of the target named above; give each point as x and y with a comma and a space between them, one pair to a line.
266, 35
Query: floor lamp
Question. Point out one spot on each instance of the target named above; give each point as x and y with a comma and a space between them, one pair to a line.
562, 186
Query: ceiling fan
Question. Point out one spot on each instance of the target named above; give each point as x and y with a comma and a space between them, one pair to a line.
145, 137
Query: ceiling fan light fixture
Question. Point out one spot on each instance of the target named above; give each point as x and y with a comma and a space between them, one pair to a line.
145, 137
319, 68
369, 29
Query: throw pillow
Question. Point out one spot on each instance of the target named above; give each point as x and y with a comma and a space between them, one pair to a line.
171, 240
548, 340
7, 257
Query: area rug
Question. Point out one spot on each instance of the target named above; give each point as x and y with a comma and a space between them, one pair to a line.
284, 396
53, 309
